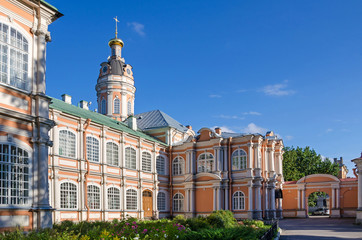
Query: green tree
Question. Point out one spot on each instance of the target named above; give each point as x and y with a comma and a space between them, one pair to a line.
299, 162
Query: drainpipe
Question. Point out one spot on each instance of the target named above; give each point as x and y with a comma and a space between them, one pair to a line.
229, 172
170, 180
85, 127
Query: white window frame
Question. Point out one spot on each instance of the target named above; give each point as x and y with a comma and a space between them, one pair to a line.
70, 146
146, 161
178, 166
21, 184
29, 80
113, 198
161, 165
178, 202
93, 151
129, 107
239, 160
238, 200
112, 155
131, 200
68, 199
128, 163
205, 164
93, 197
116, 106
164, 201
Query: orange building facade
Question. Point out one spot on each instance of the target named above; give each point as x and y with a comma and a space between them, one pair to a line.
24, 114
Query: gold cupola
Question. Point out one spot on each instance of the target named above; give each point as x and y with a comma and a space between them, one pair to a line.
116, 41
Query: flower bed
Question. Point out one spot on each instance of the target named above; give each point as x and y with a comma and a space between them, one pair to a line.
219, 225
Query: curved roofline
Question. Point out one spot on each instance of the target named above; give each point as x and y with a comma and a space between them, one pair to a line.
318, 175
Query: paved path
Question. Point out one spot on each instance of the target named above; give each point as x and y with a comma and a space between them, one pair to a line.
320, 228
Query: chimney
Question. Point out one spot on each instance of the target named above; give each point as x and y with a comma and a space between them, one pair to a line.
341, 160
218, 130
132, 122
67, 98
84, 104
189, 127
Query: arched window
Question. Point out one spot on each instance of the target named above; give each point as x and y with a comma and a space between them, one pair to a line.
238, 201
160, 165
178, 165
113, 198
239, 159
94, 197
129, 108
117, 106
14, 63
178, 202
66, 143
68, 195
131, 199
130, 158
103, 106
92, 149
14, 175
112, 153
146, 162
205, 162
161, 201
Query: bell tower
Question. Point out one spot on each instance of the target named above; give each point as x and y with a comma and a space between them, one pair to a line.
115, 84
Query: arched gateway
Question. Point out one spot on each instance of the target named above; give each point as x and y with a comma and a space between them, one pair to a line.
342, 195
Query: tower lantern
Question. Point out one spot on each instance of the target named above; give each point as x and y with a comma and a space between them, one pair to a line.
115, 84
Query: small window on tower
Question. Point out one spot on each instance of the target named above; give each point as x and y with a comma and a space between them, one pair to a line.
129, 108
116, 106
103, 107
113, 52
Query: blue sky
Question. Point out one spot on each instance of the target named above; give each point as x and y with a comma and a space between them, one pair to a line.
293, 67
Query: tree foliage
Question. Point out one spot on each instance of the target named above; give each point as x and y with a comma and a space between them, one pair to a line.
299, 162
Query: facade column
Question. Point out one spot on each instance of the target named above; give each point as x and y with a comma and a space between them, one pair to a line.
358, 162
250, 156
226, 198
272, 202
266, 199
250, 201
258, 210
215, 199
336, 211
301, 212
333, 198
192, 199
124, 106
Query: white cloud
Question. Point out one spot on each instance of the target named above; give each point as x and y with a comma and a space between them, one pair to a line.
229, 117
329, 130
277, 89
252, 113
224, 129
214, 96
252, 128
137, 27
289, 137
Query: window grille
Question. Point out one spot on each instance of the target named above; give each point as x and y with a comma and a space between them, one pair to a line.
14, 175
131, 199
161, 201
117, 106
112, 153
160, 165
205, 162
92, 149
178, 202
146, 162
94, 197
239, 160
238, 201
113, 198
178, 166
68, 195
130, 158
14, 63
66, 143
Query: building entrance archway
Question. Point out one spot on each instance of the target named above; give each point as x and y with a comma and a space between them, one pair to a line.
318, 204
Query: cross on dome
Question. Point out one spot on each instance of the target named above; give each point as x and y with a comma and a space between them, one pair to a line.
116, 20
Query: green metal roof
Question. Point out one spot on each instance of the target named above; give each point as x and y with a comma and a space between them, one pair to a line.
99, 118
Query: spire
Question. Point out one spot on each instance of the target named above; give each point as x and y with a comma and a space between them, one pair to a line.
115, 19
116, 40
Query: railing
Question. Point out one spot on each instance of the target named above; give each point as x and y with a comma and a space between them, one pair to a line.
269, 235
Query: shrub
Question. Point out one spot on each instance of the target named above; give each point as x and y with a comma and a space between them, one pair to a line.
222, 219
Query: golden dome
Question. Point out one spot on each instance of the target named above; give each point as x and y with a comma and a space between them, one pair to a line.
114, 41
